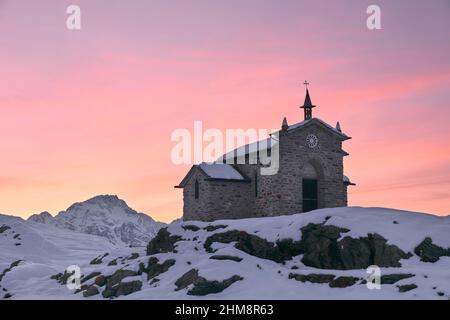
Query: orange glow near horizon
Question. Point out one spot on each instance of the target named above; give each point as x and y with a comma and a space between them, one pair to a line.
91, 112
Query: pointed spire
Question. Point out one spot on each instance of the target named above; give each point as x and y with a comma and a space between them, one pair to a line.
284, 125
338, 127
307, 105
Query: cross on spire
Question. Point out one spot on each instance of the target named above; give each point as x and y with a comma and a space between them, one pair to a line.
307, 105
306, 83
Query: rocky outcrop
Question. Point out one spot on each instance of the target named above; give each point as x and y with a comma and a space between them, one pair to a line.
343, 282
190, 277
313, 277
62, 277
393, 278
320, 246
133, 256
4, 227
248, 243
202, 286
11, 266
90, 276
429, 252
191, 227
163, 242
322, 249
226, 257
115, 287
113, 262
100, 280
206, 287
211, 228
154, 268
407, 287
99, 259
90, 291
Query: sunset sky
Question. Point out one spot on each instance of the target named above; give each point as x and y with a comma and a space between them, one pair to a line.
91, 111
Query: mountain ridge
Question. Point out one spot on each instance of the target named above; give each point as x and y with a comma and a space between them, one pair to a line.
107, 216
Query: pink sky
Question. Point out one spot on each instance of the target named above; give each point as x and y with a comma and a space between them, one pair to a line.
91, 112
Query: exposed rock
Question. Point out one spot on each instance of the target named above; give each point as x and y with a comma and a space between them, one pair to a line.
114, 286
320, 248
90, 276
126, 288
204, 288
100, 280
99, 259
440, 294
407, 287
323, 250
215, 227
312, 277
113, 262
117, 276
92, 290
122, 289
7, 296
289, 248
248, 243
429, 252
393, 278
11, 266
154, 268
62, 277
191, 227
163, 242
343, 282
190, 277
4, 227
226, 257
133, 256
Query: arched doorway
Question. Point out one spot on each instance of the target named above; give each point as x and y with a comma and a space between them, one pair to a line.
310, 190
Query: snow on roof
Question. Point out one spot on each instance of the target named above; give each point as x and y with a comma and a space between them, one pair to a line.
264, 144
221, 171
304, 122
250, 148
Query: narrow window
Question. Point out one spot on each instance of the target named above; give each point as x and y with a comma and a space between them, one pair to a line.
256, 184
196, 192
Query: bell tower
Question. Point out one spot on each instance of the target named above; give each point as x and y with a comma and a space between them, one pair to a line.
307, 105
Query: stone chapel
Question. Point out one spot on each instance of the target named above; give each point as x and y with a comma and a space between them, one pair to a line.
310, 175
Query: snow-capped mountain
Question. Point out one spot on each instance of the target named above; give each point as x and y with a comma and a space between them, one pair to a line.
106, 216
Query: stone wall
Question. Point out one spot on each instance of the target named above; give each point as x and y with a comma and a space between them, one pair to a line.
282, 193
217, 199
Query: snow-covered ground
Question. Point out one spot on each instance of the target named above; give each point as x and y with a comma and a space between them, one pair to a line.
46, 250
